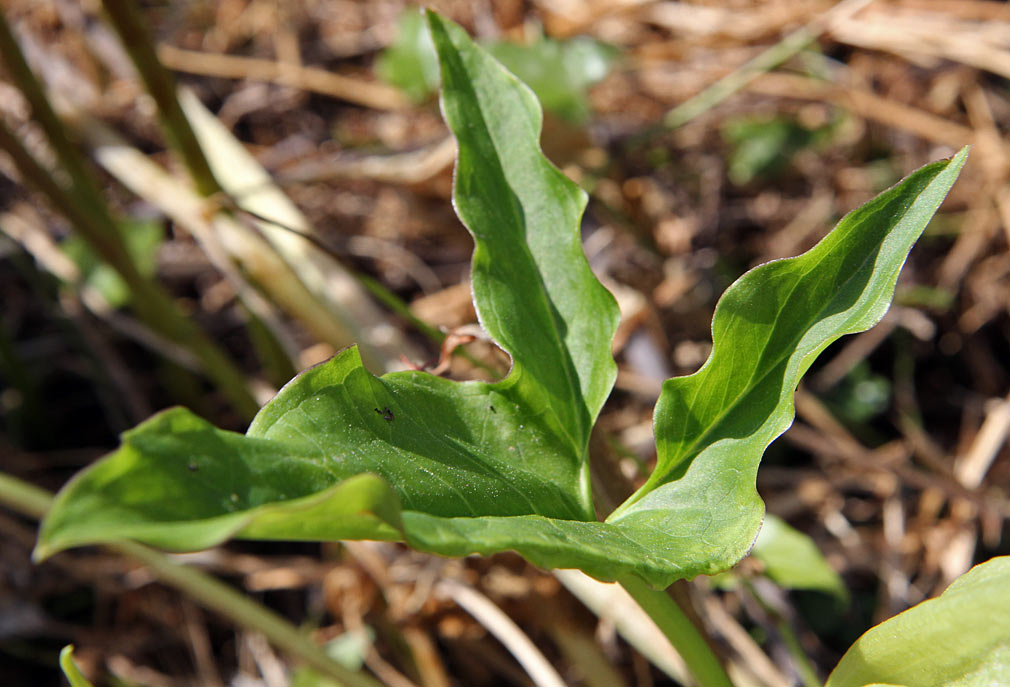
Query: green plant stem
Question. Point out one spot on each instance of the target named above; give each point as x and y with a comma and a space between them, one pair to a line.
126, 19
83, 185
219, 597
83, 189
683, 635
739, 78
32, 501
397, 305
23, 497
82, 204
138, 42
153, 304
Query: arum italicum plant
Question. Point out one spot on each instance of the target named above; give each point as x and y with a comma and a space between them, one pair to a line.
456, 468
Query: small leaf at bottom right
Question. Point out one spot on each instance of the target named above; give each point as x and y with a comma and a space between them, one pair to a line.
961, 638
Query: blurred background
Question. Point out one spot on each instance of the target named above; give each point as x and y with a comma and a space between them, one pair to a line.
711, 137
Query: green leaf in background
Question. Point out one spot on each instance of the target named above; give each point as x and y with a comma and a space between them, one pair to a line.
961, 638
762, 147
410, 62
348, 649
860, 396
70, 669
142, 239
792, 560
470, 467
559, 72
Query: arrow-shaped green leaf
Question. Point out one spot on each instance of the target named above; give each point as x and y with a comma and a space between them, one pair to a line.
457, 468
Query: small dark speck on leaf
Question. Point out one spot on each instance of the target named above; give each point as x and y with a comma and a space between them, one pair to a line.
192, 467
386, 413
492, 409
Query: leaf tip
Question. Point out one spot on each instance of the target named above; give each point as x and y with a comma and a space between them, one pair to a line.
42, 551
70, 669
46, 546
431, 16
957, 159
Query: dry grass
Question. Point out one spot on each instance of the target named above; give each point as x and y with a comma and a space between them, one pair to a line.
901, 502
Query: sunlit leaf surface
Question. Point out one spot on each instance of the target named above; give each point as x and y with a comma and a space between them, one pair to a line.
457, 468
959, 639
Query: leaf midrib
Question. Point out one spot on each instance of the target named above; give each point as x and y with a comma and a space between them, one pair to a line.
693, 449
574, 389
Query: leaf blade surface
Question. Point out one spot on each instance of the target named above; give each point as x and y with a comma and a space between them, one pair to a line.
768, 328
960, 638
446, 449
457, 468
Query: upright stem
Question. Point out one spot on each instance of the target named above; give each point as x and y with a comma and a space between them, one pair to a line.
82, 204
32, 501
139, 44
151, 302
126, 19
82, 183
83, 189
683, 635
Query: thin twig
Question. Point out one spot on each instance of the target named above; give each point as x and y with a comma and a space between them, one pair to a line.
733, 82
980, 44
867, 105
753, 658
970, 468
367, 93
412, 167
508, 633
